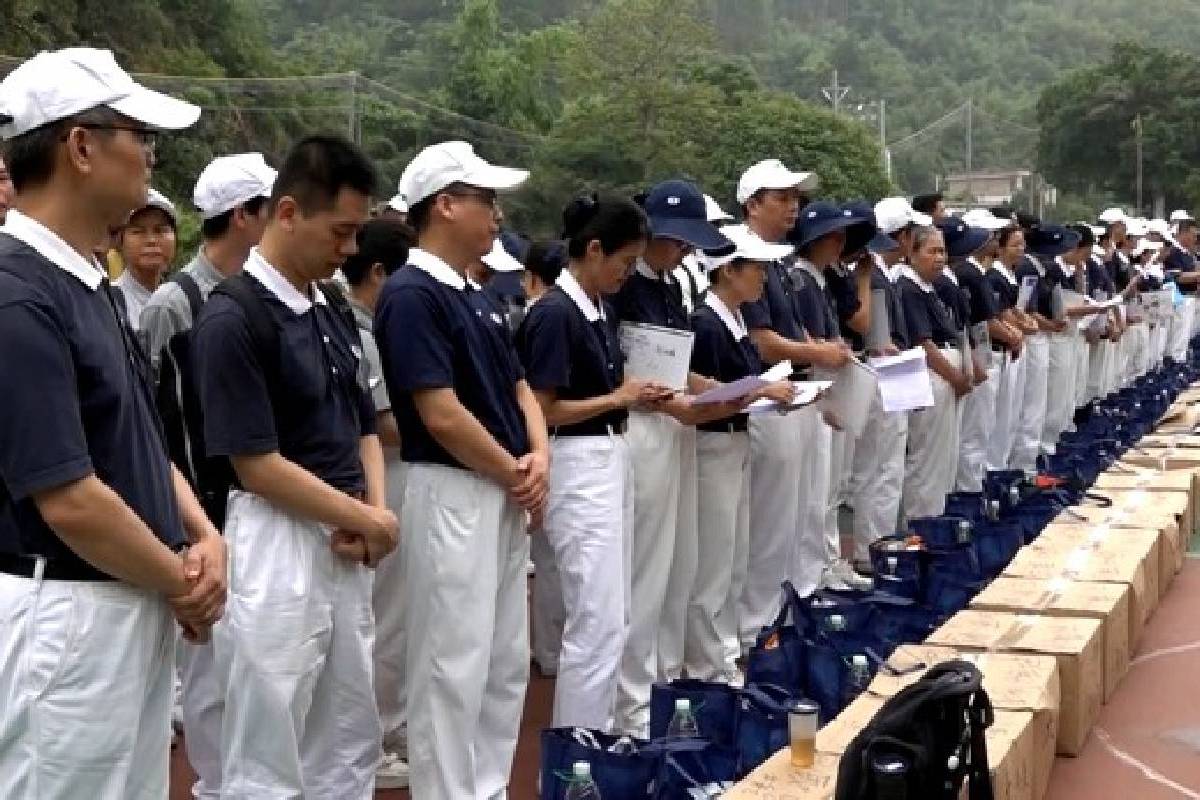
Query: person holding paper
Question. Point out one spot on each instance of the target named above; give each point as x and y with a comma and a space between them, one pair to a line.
1101, 287
662, 449
770, 195
932, 432
1011, 409
820, 237
877, 476
569, 346
724, 353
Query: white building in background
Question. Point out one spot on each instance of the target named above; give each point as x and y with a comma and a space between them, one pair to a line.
999, 187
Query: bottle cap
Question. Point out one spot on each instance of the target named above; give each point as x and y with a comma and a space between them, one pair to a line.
683, 704
581, 769
859, 660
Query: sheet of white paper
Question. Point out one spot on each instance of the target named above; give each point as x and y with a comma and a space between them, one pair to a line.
736, 390
806, 393
1025, 293
848, 401
655, 353
904, 383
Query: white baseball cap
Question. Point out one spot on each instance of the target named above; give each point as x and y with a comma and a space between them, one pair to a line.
398, 204
896, 213
1146, 246
772, 174
1111, 216
1180, 215
982, 218
229, 181
747, 245
57, 84
1136, 226
440, 165
156, 199
500, 260
714, 211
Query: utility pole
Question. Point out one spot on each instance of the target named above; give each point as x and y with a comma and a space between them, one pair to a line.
883, 150
1137, 144
352, 122
835, 93
970, 153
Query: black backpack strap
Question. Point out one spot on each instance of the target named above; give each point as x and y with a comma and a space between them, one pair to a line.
263, 331
191, 290
336, 296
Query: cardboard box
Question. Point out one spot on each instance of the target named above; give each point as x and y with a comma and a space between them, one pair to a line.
1107, 602
777, 779
1157, 482
1011, 756
1181, 417
835, 737
1169, 511
1013, 681
1074, 643
1166, 551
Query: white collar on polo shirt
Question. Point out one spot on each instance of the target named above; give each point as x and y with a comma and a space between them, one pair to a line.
259, 268
643, 269
437, 269
732, 319
949, 273
1037, 264
911, 274
999, 266
812, 269
1067, 269
975, 263
566, 281
51, 246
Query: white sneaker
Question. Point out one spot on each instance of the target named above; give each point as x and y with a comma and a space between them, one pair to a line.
830, 580
392, 773
845, 573
397, 743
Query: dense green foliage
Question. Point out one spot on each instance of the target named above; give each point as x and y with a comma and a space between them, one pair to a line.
612, 94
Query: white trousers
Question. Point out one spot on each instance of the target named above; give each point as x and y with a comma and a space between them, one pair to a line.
203, 689
932, 460
1137, 340
713, 643
816, 540
387, 602
978, 429
1031, 417
465, 556
1060, 388
671, 633
1100, 356
300, 717
86, 675
1181, 330
877, 481
1081, 377
547, 614
1009, 394
588, 524
655, 444
1158, 344
775, 478
841, 463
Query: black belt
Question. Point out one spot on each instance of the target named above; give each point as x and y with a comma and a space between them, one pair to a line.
590, 428
55, 570
738, 425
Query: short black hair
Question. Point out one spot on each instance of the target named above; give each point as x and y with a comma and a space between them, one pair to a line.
30, 156
546, 260
1086, 237
218, 226
926, 203
613, 221
381, 241
1007, 234
1186, 225
317, 168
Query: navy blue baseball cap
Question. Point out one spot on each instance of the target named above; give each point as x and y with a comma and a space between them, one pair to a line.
865, 233
676, 210
961, 239
820, 219
1051, 240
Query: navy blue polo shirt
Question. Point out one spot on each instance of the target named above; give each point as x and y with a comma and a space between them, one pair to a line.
435, 332
77, 397
1178, 261
577, 358
815, 304
1099, 280
842, 289
1005, 292
651, 299
1121, 271
322, 411
926, 314
720, 355
880, 282
1043, 293
981, 300
776, 310
955, 298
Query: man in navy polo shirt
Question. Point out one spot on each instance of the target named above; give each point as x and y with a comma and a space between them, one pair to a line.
310, 517
93, 519
476, 446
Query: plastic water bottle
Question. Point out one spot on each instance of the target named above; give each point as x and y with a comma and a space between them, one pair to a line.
859, 679
582, 787
683, 723
965, 531
891, 777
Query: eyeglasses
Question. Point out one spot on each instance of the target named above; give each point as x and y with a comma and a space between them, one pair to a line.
146, 137
485, 197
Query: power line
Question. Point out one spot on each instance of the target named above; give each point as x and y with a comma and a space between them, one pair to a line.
450, 113
940, 122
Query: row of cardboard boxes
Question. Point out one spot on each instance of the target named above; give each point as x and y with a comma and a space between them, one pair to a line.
1053, 635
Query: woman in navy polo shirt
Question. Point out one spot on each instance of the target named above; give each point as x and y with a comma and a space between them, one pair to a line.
932, 432
573, 360
723, 352
1010, 394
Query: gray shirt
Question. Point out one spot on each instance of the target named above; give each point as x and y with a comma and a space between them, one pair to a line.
371, 358
167, 311
136, 296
